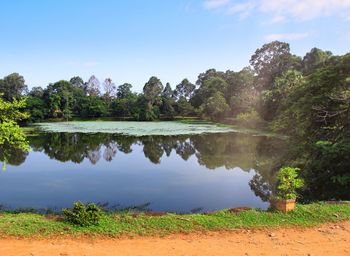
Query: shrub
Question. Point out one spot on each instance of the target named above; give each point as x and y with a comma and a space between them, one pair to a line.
288, 183
249, 119
83, 215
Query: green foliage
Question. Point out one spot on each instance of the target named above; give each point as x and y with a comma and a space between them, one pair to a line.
184, 89
11, 136
12, 87
270, 61
184, 107
124, 91
216, 106
314, 59
328, 170
152, 89
83, 215
249, 119
93, 106
168, 93
36, 108
288, 183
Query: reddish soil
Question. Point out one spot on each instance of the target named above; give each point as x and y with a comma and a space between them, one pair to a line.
329, 239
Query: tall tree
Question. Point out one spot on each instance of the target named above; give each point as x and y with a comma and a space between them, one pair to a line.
93, 86
185, 89
12, 86
124, 91
216, 106
152, 89
77, 81
36, 104
316, 58
168, 102
270, 61
59, 97
110, 90
209, 87
167, 92
208, 74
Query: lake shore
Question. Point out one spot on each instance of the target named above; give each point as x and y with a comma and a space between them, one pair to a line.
131, 224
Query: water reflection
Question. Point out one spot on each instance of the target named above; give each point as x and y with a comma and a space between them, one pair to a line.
211, 150
230, 151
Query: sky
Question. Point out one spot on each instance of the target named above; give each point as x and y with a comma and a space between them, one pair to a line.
132, 40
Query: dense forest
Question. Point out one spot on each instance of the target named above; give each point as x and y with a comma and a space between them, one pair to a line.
306, 98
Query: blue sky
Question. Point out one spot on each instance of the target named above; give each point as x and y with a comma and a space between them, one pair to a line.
131, 40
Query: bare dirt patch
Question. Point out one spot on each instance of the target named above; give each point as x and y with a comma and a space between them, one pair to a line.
329, 239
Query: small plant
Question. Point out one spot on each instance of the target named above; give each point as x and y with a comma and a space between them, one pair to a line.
83, 215
288, 183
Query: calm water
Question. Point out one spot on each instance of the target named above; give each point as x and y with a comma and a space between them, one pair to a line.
179, 173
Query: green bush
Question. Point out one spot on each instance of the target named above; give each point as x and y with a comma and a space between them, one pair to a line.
249, 119
288, 183
83, 215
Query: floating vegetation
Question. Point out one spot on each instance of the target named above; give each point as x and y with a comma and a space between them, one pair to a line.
134, 128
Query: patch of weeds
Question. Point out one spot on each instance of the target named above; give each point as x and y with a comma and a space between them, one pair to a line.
83, 215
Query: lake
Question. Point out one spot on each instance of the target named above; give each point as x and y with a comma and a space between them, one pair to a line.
158, 166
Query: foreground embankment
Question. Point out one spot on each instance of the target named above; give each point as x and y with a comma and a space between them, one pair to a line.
130, 224
327, 239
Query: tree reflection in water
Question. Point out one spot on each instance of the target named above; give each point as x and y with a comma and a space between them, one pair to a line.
228, 150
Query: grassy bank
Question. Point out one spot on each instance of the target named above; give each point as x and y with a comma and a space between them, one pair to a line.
131, 224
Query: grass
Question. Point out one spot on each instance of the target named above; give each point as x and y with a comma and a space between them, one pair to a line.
129, 224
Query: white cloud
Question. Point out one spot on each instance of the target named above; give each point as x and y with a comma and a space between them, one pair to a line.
215, 4
280, 10
286, 36
305, 9
243, 9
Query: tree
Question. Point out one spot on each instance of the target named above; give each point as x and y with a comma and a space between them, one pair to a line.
183, 107
78, 82
152, 89
36, 107
125, 106
12, 86
216, 106
168, 102
209, 87
314, 59
37, 92
167, 92
270, 61
93, 106
11, 136
184, 89
93, 86
124, 91
59, 98
109, 88
208, 74
284, 85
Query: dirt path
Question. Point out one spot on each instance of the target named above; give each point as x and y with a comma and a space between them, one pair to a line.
330, 239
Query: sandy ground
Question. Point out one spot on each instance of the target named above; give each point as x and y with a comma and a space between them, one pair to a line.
329, 239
